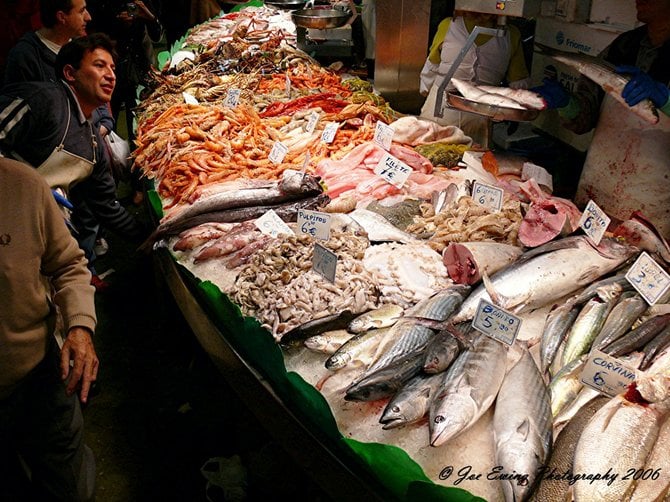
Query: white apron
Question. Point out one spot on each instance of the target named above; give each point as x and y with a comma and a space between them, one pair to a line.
627, 167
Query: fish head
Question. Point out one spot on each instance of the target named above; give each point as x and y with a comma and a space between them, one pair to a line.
394, 416
444, 426
338, 360
316, 342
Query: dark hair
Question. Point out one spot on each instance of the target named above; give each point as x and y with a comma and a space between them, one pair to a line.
73, 52
49, 8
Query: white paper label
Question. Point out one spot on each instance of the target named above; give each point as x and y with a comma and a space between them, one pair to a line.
538, 173
271, 224
594, 222
393, 170
648, 278
488, 196
305, 164
496, 322
288, 86
606, 374
278, 152
324, 262
329, 132
314, 223
232, 97
384, 135
189, 99
312, 120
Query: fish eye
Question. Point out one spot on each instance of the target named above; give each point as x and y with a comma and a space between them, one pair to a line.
395, 409
438, 419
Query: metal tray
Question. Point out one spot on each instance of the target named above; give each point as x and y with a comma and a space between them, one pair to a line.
287, 4
320, 19
496, 113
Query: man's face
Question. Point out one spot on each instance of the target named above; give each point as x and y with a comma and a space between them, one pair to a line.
75, 20
94, 81
648, 10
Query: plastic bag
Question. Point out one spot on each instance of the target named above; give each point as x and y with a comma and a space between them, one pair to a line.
119, 153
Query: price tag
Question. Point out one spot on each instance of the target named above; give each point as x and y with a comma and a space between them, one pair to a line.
648, 278
606, 374
312, 120
189, 99
594, 222
288, 86
538, 173
305, 164
496, 322
272, 225
324, 262
393, 170
384, 135
232, 97
488, 196
329, 132
278, 152
314, 223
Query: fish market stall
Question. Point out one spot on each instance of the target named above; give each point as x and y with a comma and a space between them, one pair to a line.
333, 256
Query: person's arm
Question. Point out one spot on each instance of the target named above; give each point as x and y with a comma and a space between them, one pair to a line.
430, 67
102, 120
15, 124
64, 263
146, 12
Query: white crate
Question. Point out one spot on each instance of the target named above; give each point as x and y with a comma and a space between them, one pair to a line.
573, 11
572, 37
618, 13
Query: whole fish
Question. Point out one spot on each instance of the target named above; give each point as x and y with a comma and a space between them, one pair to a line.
555, 485
445, 346
469, 388
383, 317
360, 348
585, 329
654, 347
473, 93
410, 404
312, 328
605, 289
655, 486
387, 380
467, 261
622, 317
378, 228
603, 74
619, 437
522, 426
564, 267
197, 236
638, 337
565, 386
528, 99
556, 328
328, 342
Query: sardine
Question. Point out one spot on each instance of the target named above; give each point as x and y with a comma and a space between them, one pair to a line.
329, 341
553, 486
469, 388
638, 337
585, 329
622, 317
361, 348
522, 426
410, 404
556, 327
603, 74
566, 384
382, 317
536, 281
619, 437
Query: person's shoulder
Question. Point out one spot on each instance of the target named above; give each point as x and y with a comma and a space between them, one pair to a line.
19, 172
33, 90
29, 41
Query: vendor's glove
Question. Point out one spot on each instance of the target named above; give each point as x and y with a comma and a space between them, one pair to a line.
553, 92
641, 86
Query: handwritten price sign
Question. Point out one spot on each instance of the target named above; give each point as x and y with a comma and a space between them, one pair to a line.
324, 262
278, 152
496, 322
606, 374
384, 135
594, 222
648, 278
271, 224
312, 120
488, 196
232, 97
329, 132
393, 170
314, 223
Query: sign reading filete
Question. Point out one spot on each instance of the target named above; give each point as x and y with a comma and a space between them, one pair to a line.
393, 170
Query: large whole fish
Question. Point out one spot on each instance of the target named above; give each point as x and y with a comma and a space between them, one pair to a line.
622, 317
473, 93
656, 485
603, 74
522, 426
585, 328
470, 386
556, 327
411, 402
556, 270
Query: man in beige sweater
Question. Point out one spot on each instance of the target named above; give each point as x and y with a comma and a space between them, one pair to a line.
43, 276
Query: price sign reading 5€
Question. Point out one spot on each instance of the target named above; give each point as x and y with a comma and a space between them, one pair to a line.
496, 322
393, 170
324, 262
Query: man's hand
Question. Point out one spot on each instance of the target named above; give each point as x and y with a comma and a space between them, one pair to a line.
78, 348
641, 86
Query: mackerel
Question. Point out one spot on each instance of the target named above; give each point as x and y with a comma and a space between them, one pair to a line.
622, 317
585, 329
639, 336
566, 384
387, 380
654, 347
410, 404
556, 328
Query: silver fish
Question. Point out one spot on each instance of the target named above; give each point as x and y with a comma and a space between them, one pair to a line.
445, 346
622, 317
566, 384
522, 426
542, 277
654, 347
655, 485
382, 317
329, 341
473, 93
585, 329
470, 386
378, 228
556, 328
639, 336
361, 348
410, 404
387, 380
603, 74
528, 99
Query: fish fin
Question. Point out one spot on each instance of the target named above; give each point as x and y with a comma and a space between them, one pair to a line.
504, 302
524, 428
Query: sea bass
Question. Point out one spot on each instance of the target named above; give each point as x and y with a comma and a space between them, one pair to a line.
603, 74
563, 267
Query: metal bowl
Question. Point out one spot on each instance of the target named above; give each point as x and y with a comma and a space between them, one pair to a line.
287, 4
320, 19
496, 113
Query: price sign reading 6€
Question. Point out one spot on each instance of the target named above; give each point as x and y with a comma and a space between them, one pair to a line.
488, 196
594, 222
314, 223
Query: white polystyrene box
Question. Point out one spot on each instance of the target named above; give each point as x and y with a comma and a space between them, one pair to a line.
573, 11
572, 37
619, 13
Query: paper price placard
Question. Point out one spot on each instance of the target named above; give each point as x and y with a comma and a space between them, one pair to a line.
314, 223
189, 99
488, 196
278, 152
496, 322
271, 224
606, 374
648, 278
232, 98
393, 170
384, 135
594, 222
329, 132
312, 120
324, 262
